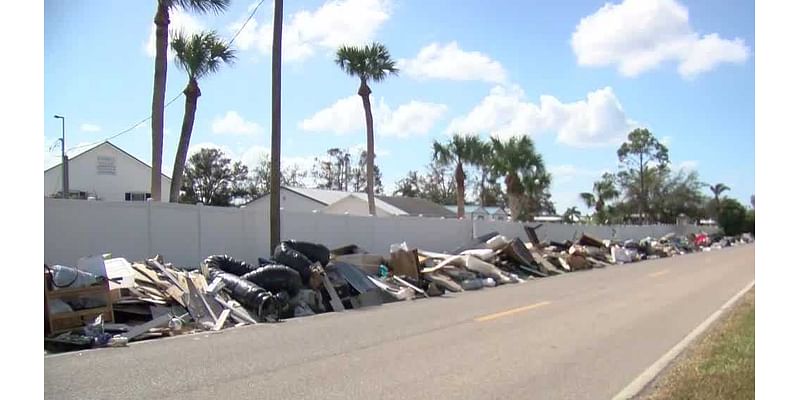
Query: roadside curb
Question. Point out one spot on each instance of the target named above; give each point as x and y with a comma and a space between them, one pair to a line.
641, 381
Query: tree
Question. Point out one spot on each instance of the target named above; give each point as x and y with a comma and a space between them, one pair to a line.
732, 217
210, 178
335, 172
603, 191
161, 21
717, 190
536, 194
369, 63
199, 55
642, 152
259, 180
515, 158
409, 186
458, 151
572, 214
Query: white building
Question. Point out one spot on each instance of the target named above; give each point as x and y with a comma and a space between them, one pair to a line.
339, 202
105, 172
475, 212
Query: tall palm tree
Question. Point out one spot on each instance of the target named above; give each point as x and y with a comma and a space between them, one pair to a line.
199, 55
460, 150
161, 21
717, 190
515, 158
603, 191
369, 63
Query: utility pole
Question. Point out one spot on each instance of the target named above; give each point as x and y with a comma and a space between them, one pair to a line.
275, 169
64, 162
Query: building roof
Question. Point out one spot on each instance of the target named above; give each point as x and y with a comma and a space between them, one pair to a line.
115, 148
328, 197
469, 209
417, 206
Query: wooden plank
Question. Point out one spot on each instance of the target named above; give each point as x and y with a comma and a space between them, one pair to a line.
157, 265
336, 302
221, 320
238, 312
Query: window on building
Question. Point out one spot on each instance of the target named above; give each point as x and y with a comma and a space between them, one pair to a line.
136, 196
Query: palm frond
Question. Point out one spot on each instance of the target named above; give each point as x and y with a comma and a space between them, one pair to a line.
200, 6
201, 53
371, 62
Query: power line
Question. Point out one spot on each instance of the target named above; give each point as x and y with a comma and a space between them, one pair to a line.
134, 126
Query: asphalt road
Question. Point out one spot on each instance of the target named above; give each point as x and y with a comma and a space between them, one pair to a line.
583, 335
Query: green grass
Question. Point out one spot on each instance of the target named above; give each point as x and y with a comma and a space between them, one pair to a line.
719, 366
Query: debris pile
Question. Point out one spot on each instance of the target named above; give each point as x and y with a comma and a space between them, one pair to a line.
108, 302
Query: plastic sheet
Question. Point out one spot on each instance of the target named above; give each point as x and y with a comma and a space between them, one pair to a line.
228, 264
69, 277
275, 278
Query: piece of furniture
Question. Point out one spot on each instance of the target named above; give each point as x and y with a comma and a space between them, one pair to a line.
65, 321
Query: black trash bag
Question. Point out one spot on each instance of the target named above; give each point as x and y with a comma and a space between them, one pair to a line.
276, 278
265, 261
226, 263
248, 294
312, 251
292, 258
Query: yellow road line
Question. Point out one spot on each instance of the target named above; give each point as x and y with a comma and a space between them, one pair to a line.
659, 273
509, 312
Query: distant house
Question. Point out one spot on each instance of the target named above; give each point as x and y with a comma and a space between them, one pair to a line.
340, 202
105, 172
475, 212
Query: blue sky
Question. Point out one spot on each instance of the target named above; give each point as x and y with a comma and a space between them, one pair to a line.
575, 75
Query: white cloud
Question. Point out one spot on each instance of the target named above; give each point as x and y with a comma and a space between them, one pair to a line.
598, 120
567, 172
305, 32
233, 124
448, 61
179, 21
86, 127
666, 140
688, 165
640, 35
347, 116
253, 156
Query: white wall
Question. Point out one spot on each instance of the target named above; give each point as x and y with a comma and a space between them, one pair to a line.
559, 232
187, 234
131, 176
184, 234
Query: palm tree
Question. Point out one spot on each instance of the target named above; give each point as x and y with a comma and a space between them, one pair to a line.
718, 189
369, 63
460, 150
572, 214
515, 158
199, 55
161, 21
603, 191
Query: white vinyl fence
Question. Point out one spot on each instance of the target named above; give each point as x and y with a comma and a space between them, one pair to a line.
186, 234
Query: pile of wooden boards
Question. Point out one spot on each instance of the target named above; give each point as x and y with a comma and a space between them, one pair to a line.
160, 289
